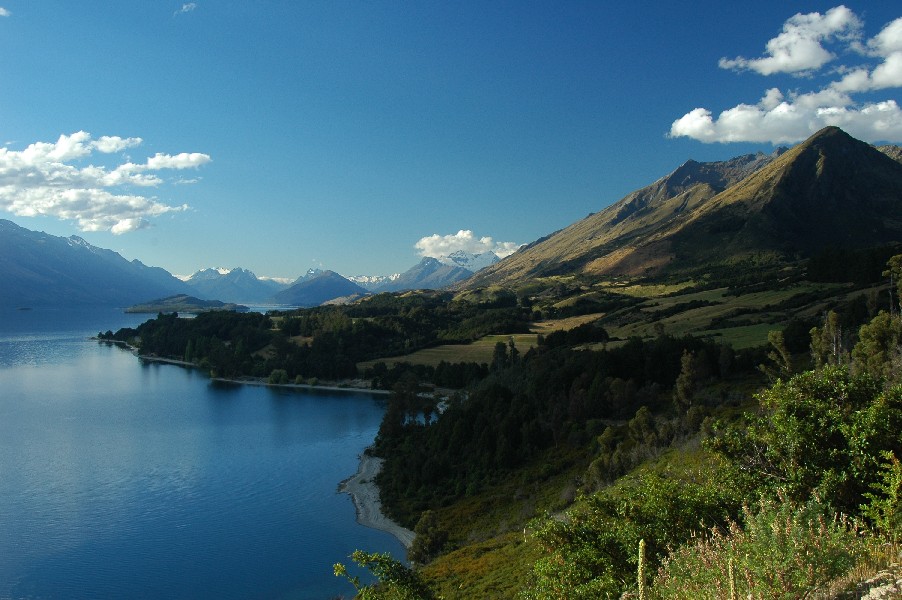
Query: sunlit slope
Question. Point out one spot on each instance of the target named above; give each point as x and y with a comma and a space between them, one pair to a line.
831, 190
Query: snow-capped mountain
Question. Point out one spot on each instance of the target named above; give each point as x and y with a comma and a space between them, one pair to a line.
428, 274
318, 287
233, 285
310, 274
373, 282
470, 262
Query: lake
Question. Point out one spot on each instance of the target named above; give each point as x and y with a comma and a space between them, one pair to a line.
125, 479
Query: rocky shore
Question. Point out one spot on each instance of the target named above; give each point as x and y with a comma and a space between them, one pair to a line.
363, 491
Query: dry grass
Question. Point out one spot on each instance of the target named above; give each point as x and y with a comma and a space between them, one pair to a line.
565, 324
479, 351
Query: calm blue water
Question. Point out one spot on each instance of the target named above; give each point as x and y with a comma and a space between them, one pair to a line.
127, 480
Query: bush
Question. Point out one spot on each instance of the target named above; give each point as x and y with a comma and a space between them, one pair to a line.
278, 377
591, 552
394, 580
784, 551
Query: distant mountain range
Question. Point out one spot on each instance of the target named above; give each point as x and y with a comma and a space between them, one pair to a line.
317, 286
373, 282
37, 269
829, 191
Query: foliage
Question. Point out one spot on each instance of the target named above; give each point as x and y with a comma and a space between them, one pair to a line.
327, 342
828, 342
278, 377
394, 580
495, 568
877, 350
547, 397
429, 541
884, 507
591, 551
849, 264
821, 431
780, 358
224, 342
686, 381
783, 550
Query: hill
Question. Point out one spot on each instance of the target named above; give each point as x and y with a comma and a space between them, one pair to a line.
182, 303
38, 269
831, 190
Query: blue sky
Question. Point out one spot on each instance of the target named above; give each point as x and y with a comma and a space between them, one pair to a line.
358, 136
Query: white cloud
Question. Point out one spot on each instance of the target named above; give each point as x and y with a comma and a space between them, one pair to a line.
781, 118
186, 8
184, 160
41, 180
4, 12
113, 143
437, 245
889, 40
799, 48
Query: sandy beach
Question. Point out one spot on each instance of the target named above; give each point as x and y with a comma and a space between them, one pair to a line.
365, 494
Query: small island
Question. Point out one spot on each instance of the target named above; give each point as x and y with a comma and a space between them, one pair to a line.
184, 303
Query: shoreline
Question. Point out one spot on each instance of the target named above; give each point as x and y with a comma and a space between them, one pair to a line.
329, 386
352, 385
365, 495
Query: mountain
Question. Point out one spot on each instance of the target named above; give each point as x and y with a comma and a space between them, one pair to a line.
471, 262
894, 152
320, 287
38, 269
429, 274
235, 285
433, 273
310, 274
831, 190
373, 282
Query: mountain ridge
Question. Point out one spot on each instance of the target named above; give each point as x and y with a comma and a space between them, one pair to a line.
724, 210
39, 269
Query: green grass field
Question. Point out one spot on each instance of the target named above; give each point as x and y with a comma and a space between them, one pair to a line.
749, 329
479, 351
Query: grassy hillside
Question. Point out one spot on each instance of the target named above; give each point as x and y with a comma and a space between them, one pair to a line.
547, 475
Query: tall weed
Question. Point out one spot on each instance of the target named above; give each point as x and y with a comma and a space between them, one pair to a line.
783, 551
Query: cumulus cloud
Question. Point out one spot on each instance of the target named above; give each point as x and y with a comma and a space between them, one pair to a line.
4, 12
42, 180
437, 245
789, 117
799, 48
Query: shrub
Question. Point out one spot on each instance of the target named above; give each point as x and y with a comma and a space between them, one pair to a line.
278, 377
784, 551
